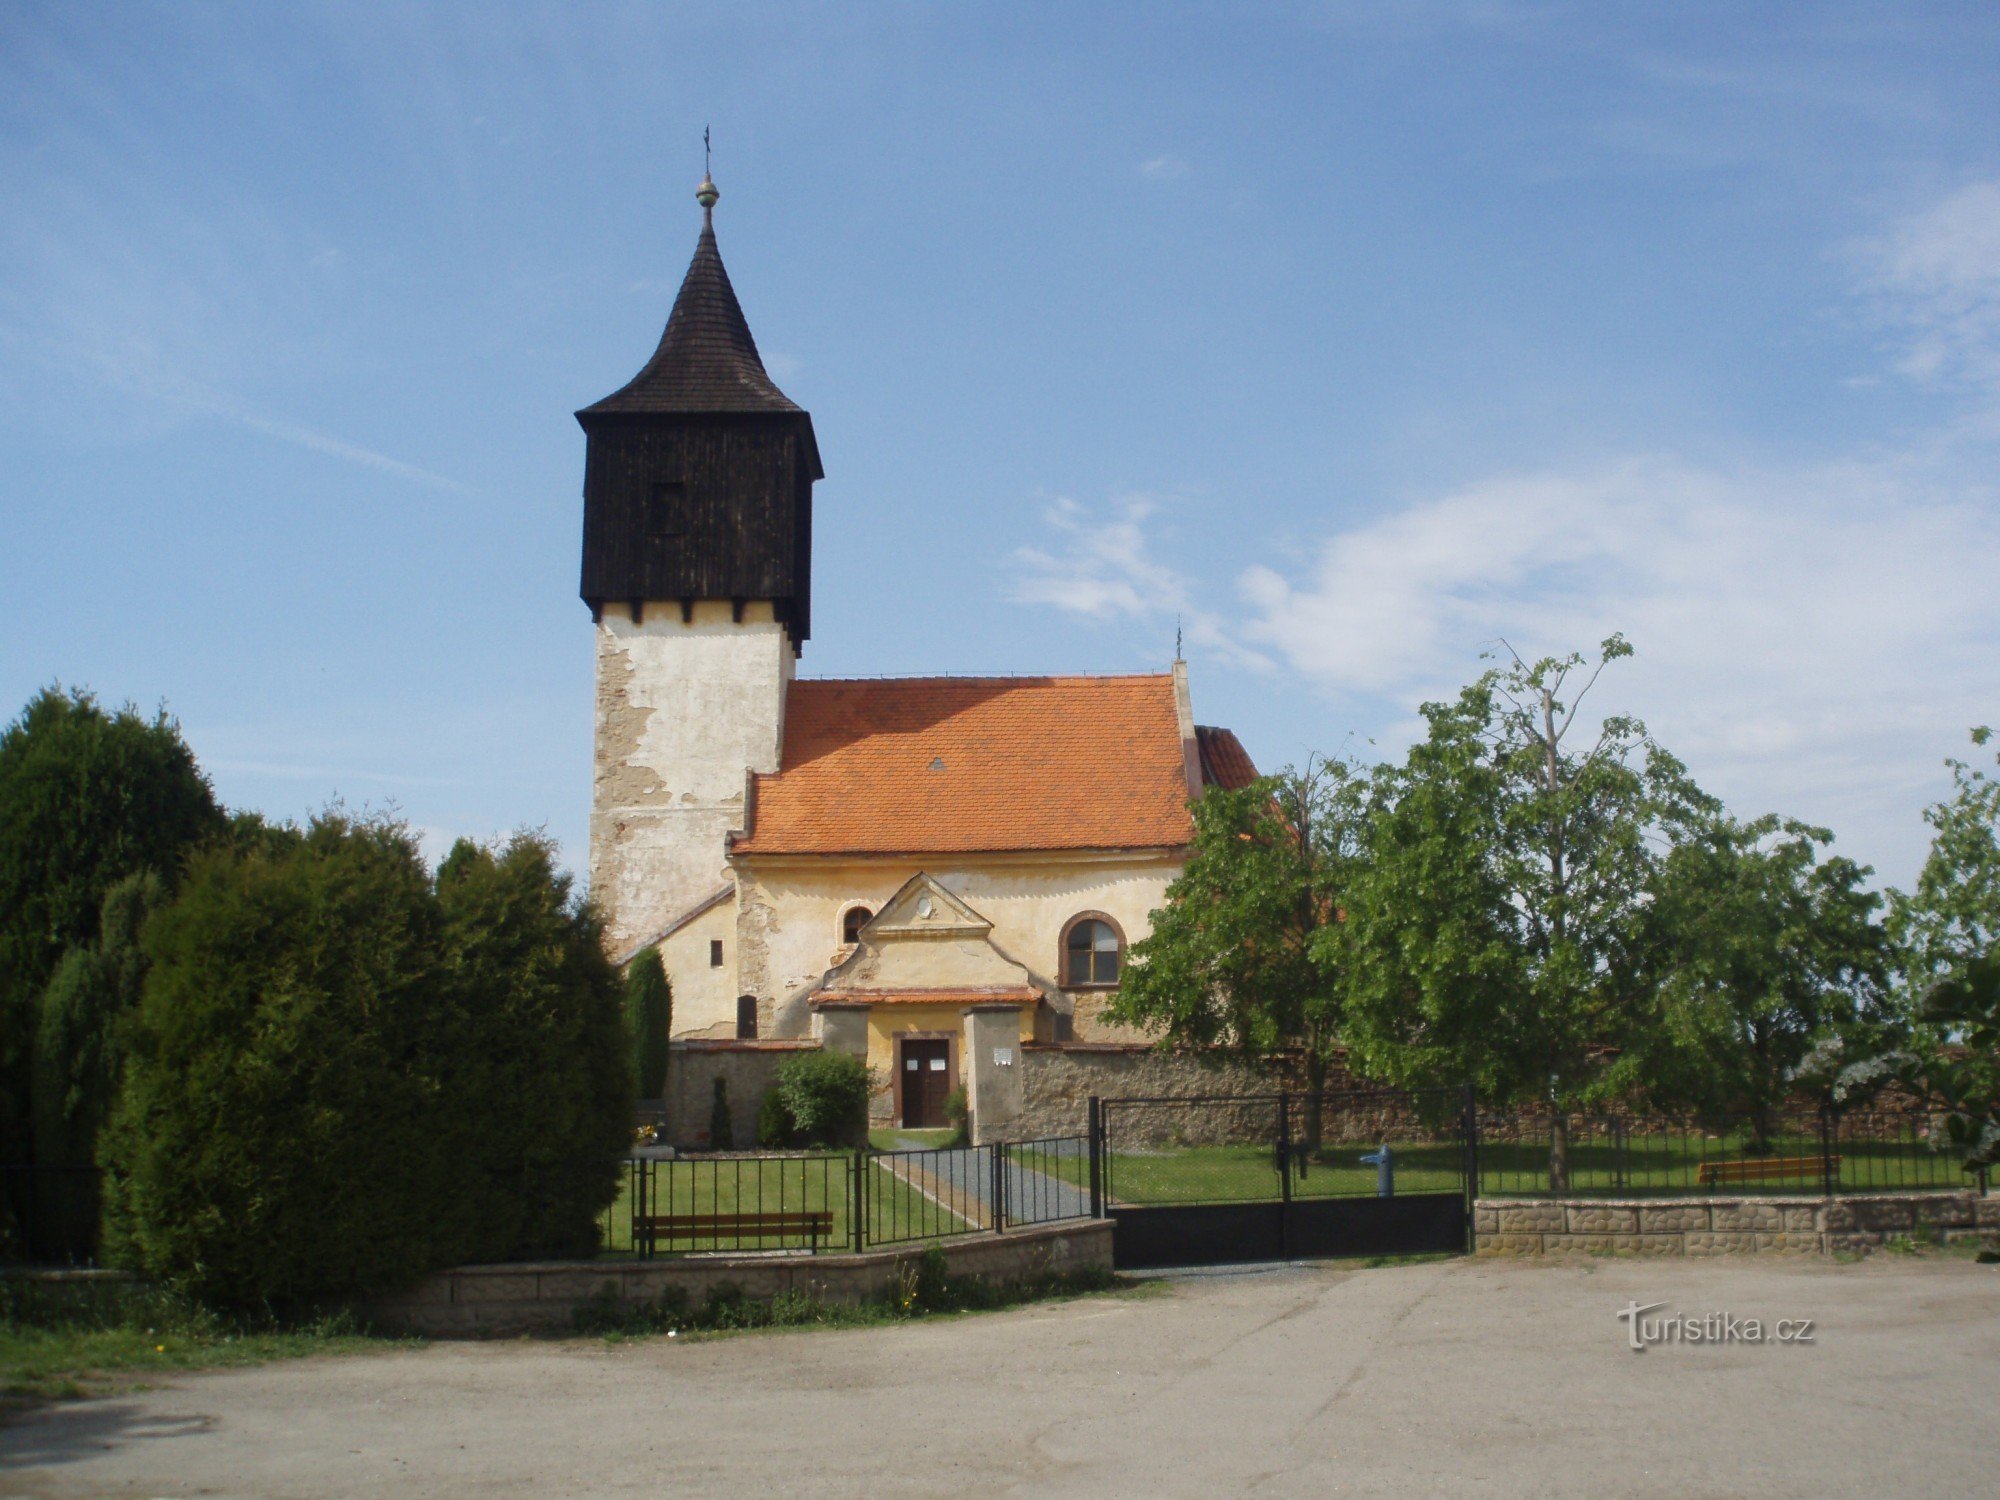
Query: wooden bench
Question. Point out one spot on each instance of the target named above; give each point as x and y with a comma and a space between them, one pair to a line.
1758, 1168
812, 1225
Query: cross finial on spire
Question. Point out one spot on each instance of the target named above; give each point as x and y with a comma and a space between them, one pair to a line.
1177, 637
706, 194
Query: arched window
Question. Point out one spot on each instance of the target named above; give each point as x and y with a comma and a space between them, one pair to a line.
1092, 949
857, 917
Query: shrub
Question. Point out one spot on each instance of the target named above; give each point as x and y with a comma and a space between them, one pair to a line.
344, 1076
649, 1016
721, 1132
958, 1116
86, 799
537, 1085
824, 1098
775, 1129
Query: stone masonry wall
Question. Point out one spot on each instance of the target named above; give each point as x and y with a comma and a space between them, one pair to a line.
525, 1298
1057, 1080
1723, 1226
746, 1069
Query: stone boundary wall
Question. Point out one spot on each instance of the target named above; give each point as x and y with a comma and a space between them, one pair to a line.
1723, 1226
746, 1068
544, 1296
1058, 1078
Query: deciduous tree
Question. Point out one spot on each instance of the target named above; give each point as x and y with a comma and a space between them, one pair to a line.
1495, 924
1230, 961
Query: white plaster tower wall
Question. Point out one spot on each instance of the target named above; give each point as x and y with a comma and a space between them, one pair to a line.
686, 710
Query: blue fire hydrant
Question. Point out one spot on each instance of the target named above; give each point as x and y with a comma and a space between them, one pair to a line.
1385, 1172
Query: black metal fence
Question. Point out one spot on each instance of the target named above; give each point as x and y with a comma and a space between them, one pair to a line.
1258, 1147
841, 1201
1821, 1153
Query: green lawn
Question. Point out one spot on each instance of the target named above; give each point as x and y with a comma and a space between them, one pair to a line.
726, 1185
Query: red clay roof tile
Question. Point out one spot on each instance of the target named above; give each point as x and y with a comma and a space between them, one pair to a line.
974, 765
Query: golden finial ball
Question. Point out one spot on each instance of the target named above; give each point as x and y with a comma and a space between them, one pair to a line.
706, 194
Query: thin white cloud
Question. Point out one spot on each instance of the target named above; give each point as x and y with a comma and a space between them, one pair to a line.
1935, 277
1101, 567
1163, 168
1811, 641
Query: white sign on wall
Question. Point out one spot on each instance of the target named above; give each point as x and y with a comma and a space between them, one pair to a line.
1003, 1057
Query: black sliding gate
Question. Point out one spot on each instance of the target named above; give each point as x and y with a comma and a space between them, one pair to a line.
1212, 1181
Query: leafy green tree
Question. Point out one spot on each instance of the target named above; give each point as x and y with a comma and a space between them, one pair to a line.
86, 798
274, 1146
649, 1016
1963, 1075
1231, 961
1495, 925
1766, 947
537, 1082
1953, 916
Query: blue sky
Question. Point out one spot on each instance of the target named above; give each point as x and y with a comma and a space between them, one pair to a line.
1356, 337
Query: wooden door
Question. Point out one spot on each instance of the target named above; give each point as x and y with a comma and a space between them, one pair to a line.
926, 1080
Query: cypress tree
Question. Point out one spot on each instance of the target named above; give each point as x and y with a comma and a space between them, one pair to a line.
649, 1014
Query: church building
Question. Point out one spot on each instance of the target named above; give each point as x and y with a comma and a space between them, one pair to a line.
940, 874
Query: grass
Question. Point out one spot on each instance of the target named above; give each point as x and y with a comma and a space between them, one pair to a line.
73, 1340
913, 1140
1665, 1164
768, 1184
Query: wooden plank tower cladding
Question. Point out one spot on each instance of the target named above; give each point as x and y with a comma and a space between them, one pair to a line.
698, 473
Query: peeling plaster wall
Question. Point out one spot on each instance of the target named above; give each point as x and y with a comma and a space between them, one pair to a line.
788, 921
684, 711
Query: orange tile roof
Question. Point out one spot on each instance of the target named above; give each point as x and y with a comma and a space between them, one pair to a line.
1016, 995
974, 765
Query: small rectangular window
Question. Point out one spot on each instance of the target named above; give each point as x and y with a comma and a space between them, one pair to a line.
666, 511
715, 953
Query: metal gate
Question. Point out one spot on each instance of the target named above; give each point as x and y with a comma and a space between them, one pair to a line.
1221, 1179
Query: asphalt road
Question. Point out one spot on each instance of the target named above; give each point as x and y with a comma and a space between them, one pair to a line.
1444, 1378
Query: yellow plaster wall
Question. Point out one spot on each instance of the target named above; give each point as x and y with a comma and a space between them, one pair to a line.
1028, 903
704, 997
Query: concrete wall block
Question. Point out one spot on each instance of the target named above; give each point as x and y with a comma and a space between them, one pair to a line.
1730, 1242
1673, 1218
1986, 1212
1748, 1217
1601, 1218
1485, 1220
1802, 1218
1944, 1209
1510, 1244
1534, 1218
1872, 1215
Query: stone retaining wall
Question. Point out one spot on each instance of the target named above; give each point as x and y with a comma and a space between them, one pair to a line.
1723, 1226
545, 1296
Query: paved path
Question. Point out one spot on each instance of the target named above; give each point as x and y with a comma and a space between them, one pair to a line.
963, 1182
1458, 1377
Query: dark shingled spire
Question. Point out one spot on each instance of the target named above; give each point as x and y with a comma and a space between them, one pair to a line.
707, 360
698, 475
